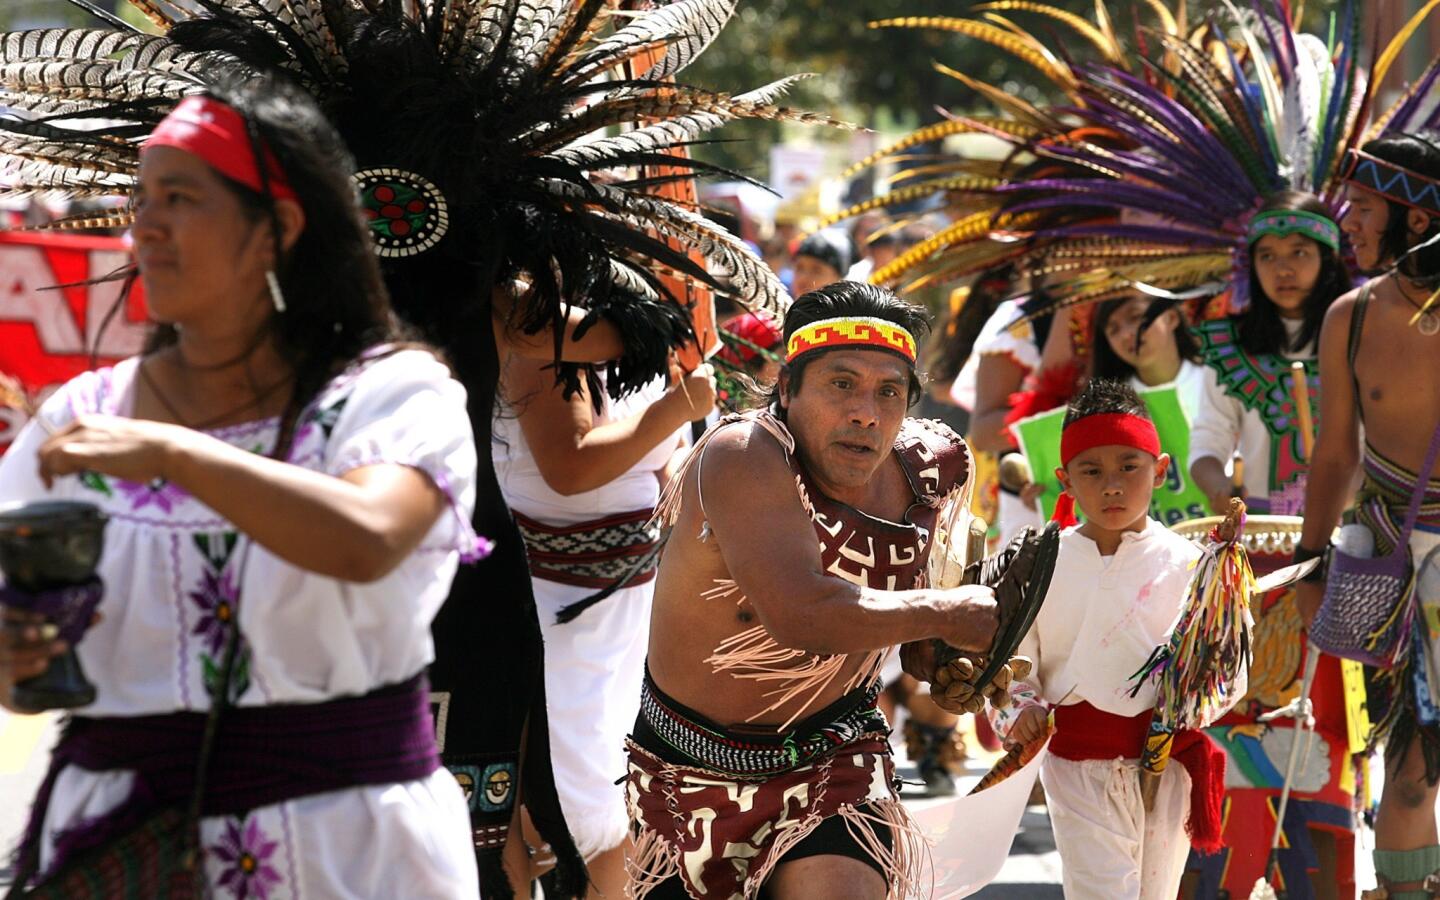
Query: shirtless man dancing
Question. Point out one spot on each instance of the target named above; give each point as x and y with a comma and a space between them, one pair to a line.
801, 534
1380, 368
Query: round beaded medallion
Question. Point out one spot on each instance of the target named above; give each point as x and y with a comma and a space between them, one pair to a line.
407, 214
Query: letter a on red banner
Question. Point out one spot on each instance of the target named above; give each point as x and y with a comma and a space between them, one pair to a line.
50, 334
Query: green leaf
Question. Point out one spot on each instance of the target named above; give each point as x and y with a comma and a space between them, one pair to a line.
96, 482
240, 679
211, 671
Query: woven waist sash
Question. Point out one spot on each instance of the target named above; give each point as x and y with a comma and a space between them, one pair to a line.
682, 736
262, 755
594, 554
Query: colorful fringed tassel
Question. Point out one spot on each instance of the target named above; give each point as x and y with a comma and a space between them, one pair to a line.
1198, 670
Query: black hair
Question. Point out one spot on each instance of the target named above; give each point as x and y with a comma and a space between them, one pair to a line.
1108, 364
1103, 396
956, 341
1420, 153
834, 249
336, 301
1261, 329
846, 299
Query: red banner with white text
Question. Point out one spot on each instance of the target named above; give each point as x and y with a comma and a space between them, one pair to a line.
49, 334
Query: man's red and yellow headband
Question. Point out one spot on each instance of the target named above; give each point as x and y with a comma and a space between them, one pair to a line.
859, 332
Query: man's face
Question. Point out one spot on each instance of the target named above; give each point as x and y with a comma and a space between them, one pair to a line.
812, 274
1112, 484
846, 414
1364, 223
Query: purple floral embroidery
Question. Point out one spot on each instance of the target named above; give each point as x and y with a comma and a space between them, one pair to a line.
246, 856
159, 492
216, 599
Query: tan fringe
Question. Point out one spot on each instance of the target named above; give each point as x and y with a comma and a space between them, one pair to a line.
907, 863
652, 861
787, 838
667, 511
908, 868
754, 656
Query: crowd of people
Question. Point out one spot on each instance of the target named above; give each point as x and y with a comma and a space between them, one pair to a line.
438, 564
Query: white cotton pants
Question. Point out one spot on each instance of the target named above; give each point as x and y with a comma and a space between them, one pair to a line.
1111, 848
594, 667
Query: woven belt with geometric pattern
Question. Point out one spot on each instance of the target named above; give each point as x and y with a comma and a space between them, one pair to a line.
594, 554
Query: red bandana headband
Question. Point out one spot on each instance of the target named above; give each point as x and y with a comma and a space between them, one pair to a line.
1107, 430
216, 133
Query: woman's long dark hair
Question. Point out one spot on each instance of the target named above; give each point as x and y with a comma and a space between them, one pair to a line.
1108, 364
954, 343
1261, 328
336, 301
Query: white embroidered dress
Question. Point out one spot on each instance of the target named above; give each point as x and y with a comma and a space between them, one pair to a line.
172, 574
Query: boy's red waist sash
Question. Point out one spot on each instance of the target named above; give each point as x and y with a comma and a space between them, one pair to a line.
1083, 732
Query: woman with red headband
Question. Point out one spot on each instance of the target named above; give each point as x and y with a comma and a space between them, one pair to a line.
1119, 583
289, 490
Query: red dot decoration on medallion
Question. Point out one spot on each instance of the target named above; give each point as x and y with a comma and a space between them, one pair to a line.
406, 214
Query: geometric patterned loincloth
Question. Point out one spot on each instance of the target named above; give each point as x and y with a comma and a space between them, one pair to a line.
594, 554
723, 837
722, 833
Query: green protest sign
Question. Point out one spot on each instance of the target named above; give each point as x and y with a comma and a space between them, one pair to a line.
1174, 501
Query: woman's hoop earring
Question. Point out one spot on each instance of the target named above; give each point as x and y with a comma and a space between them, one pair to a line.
277, 297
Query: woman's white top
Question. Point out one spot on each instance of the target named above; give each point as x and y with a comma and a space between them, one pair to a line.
996, 337
525, 489
175, 572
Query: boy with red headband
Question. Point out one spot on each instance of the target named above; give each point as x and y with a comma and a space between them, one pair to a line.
1123, 577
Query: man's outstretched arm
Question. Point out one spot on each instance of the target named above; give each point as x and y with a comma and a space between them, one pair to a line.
769, 547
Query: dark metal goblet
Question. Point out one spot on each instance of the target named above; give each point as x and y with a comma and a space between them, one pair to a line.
49, 551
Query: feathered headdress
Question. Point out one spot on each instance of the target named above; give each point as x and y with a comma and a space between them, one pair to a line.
479, 127
495, 140
1161, 152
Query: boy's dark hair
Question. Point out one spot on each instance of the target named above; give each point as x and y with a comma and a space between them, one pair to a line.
847, 299
1260, 328
1102, 396
1420, 153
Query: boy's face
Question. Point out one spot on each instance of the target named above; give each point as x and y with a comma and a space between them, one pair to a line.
1112, 484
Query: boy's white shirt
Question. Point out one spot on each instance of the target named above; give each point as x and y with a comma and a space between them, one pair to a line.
1101, 620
